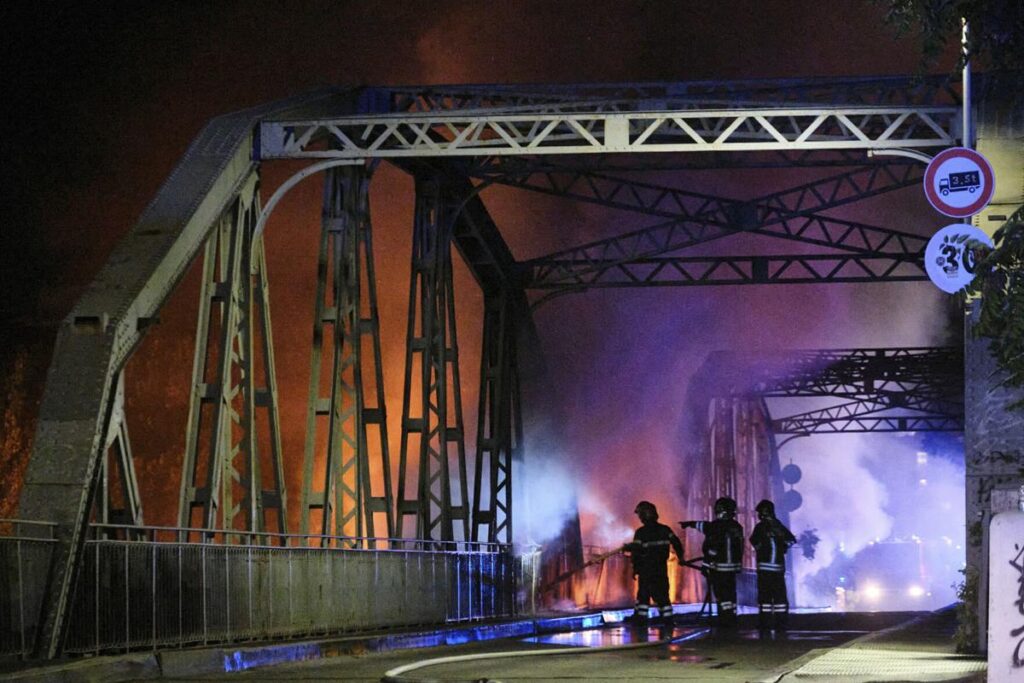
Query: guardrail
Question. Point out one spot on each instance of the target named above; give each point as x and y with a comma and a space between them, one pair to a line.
25, 547
157, 587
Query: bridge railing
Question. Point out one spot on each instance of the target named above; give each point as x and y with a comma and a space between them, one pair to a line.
150, 587
24, 547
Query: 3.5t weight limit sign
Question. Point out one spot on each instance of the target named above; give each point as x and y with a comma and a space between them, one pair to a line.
959, 182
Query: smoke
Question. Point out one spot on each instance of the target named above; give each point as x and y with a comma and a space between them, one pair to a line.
841, 498
550, 496
886, 507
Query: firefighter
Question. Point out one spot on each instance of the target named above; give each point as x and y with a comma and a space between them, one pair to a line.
649, 552
723, 556
771, 539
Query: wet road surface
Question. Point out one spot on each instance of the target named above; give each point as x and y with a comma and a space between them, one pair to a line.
697, 654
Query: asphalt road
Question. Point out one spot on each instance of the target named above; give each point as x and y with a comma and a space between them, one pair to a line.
740, 655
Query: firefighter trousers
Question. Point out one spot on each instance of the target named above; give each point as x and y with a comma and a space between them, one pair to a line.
772, 602
724, 586
652, 586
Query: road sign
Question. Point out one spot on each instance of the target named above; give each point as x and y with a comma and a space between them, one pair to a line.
959, 182
949, 259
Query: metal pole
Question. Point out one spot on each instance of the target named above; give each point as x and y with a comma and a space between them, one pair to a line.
967, 136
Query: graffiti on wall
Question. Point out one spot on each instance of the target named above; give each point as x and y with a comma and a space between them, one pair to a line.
1018, 633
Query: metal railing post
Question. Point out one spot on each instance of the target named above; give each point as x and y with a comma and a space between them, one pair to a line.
248, 566
227, 589
96, 599
127, 601
202, 559
21, 598
181, 598
152, 600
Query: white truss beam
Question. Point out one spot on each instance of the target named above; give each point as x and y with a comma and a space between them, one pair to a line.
447, 134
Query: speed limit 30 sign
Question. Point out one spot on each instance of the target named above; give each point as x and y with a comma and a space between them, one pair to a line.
950, 256
959, 182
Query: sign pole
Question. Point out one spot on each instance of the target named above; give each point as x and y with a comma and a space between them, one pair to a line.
968, 138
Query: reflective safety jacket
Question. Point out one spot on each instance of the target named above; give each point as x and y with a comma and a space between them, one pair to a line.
723, 544
771, 539
649, 548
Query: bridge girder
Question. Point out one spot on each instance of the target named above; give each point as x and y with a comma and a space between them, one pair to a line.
458, 134
892, 389
792, 214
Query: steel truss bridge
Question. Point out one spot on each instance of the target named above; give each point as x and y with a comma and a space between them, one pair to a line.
866, 390
856, 137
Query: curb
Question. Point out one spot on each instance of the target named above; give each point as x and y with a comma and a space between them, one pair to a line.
214, 660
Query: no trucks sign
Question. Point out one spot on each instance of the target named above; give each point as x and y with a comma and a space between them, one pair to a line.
959, 182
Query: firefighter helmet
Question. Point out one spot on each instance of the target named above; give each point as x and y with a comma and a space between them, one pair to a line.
765, 509
725, 507
648, 507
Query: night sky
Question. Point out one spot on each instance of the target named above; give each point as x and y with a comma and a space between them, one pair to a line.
101, 100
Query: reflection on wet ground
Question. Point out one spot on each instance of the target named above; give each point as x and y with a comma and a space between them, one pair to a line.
623, 635
829, 637
616, 635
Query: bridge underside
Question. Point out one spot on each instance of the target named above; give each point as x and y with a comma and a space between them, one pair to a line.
857, 138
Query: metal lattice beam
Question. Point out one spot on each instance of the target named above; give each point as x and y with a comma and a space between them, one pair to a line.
222, 476
734, 270
455, 134
931, 372
432, 426
499, 429
790, 214
867, 416
492, 507
340, 502
118, 501
804, 200
888, 390
609, 163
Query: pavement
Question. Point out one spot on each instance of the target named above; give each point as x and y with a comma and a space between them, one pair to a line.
833, 647
920, 649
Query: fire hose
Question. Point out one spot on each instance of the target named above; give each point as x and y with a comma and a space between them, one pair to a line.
693, 563
395, 675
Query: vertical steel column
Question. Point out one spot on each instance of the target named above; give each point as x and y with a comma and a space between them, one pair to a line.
432, 422
222, 444
275, 498
345, 503
722, 481
117, 469
495, 424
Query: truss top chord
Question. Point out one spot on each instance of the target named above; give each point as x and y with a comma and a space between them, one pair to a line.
436, 134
